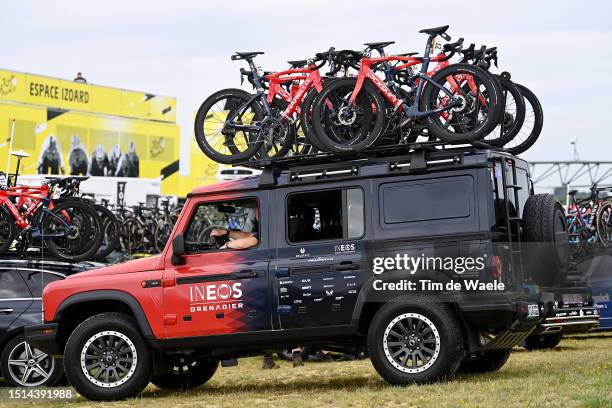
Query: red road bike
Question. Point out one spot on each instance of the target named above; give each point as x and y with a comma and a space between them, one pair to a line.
68, 229
233, 125
457, 102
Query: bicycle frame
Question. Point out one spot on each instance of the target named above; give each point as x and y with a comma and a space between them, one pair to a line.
312, 78
34, 199
308, 78
366, 72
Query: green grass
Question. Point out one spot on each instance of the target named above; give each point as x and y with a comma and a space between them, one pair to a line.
578, 373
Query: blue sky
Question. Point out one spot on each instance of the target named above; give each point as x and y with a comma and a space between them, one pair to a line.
561, 50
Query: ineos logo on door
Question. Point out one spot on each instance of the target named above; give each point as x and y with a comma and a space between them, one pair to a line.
215, 297
344, 248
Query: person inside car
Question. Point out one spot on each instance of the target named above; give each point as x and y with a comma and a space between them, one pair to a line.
241, 239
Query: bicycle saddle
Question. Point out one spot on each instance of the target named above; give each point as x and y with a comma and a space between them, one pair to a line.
435, 30
572, 192
382, 44
298, 63
246, 55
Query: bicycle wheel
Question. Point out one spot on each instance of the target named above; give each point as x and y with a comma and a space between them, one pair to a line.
277, 133
306, 120
77, 229
132, 236
8, 230
162, 233
480, 108
532, 125
577, 243
343, 128
512, 117
217, 140
604, 223
110, 232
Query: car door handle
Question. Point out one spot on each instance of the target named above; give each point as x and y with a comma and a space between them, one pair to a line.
6, 311
245, 274
347, 266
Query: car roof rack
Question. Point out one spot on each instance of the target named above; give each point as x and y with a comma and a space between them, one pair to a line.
412, 159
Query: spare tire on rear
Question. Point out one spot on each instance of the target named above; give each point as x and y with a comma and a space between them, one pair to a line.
546, 260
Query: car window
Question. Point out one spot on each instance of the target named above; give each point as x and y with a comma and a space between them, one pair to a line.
428, 200
235, 215
12, 286
325, 215
37, 280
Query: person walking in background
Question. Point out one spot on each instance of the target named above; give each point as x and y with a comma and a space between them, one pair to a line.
77, 157
80, 78
50, 160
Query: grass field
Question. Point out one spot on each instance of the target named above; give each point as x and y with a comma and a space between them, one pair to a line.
576, 373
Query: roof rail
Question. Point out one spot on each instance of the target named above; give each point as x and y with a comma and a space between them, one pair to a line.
380, 152
419, 159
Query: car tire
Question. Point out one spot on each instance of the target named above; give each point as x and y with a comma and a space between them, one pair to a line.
39, 370
485, 362
415, 323
108, 336
542, 342
545, 226
186, 377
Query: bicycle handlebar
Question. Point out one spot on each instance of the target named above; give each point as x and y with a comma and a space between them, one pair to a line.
453, 48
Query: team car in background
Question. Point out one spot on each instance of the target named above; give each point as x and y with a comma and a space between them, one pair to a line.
308, 280
21, 285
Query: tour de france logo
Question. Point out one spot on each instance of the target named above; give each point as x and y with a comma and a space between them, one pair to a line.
158, 146
8, 85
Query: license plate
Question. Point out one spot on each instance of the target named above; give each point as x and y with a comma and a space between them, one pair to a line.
572, 298
533, 311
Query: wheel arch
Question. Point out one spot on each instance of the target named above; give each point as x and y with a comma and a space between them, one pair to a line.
78, 307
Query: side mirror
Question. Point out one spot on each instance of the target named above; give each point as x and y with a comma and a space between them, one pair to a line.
178, 250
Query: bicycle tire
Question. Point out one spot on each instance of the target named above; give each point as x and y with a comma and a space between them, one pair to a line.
370, 128
532, 107
108, 221
306, 118
8, 230
131, 239
604, 227
510, 123
284, 146
495, 105
86, 246
234, 153
159, 240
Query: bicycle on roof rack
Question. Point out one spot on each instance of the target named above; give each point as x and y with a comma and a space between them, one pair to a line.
233, 125
383, 104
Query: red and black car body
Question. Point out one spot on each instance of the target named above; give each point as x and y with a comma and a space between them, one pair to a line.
228, 303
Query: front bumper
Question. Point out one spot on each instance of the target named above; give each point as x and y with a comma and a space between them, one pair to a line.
44, 337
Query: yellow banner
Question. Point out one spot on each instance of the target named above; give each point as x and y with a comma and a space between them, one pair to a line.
75, 96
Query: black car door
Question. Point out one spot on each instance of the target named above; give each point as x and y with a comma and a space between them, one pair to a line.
36, 280
15, 298
322, 261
